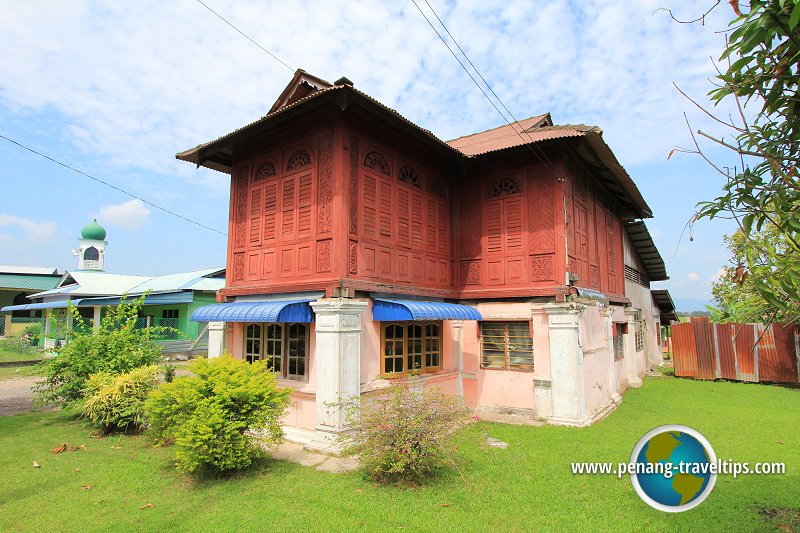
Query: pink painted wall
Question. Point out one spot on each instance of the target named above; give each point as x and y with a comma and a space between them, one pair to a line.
596, 358
500, 388
302, 408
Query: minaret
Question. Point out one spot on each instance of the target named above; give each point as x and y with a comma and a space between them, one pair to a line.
92, 250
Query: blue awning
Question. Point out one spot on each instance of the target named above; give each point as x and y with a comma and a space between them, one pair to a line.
387, 310
281, 311
61, 304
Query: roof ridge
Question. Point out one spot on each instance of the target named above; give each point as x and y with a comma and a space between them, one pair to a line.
523, 129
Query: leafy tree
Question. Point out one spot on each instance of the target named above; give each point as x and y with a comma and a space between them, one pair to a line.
762, 75
117, 347
735, 293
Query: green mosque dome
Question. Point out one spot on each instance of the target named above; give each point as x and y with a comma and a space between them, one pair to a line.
93, 231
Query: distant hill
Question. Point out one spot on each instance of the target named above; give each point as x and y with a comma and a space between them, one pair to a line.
688, 305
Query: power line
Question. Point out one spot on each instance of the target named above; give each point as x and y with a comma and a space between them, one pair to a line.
543, 157
123, 191
276, 58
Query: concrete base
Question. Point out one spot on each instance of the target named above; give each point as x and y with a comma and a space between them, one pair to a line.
634, 383
510, 411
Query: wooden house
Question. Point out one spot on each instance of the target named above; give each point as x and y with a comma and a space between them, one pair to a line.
498, 266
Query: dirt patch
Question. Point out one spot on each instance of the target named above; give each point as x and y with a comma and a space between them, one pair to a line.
783, 518
16, 395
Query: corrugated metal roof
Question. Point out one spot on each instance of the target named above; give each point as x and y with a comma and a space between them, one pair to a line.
501, 137
665, 305
281, 311
35, 282
184, 280
388, 310
151, 299
13, 269
646, 248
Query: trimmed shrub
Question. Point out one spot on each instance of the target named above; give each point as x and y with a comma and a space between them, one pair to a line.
117, 347
117, 402
219, 418
403, 435
169, 373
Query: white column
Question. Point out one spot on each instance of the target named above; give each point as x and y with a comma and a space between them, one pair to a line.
337, 358
48, 313
566, 365
608, 313
634, 380
216, 339
458, 355
96, 319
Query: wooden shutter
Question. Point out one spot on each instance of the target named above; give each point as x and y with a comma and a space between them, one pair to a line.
256, 208
430, 226
288, 219
512, 218
369, 212
444, 228
494, 227
270, 211
416, 221
304, 209
403, 217
386, 208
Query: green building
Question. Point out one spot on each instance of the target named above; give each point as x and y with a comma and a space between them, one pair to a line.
169, 300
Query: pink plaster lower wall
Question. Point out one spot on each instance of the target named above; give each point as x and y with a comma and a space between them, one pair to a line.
500, 388
302, 411
596, 358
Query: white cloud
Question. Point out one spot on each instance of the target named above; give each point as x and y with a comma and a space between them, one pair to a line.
130, 215
693, 276
721, 271
160, 78
25, 229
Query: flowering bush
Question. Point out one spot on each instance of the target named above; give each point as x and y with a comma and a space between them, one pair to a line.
219, 418
404, 435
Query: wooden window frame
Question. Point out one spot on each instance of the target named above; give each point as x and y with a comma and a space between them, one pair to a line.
507, 365
426, 353
266, 338
619, 329
640, 334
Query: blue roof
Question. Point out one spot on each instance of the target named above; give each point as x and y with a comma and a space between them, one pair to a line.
386, 310
281, 311
61, 304
150, 299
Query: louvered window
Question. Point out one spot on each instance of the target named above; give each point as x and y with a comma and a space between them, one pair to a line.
506, 346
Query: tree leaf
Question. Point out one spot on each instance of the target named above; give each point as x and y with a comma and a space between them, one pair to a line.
794, 18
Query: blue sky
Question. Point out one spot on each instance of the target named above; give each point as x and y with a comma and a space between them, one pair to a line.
117, 89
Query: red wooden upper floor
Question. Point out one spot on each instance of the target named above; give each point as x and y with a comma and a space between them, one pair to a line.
333, 190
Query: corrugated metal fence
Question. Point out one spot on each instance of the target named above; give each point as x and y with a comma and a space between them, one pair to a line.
742, 352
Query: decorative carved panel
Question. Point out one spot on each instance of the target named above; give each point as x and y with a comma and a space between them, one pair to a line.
324, 256
540, 267
266, 170
353, 261
325, 185
238, 267
409, 175
504, 186
376, 161
298, 159
470, 272
241, 210
436, 187
354, 184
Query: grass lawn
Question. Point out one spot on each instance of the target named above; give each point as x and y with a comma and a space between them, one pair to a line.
9, 372
528, 486
13, 351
